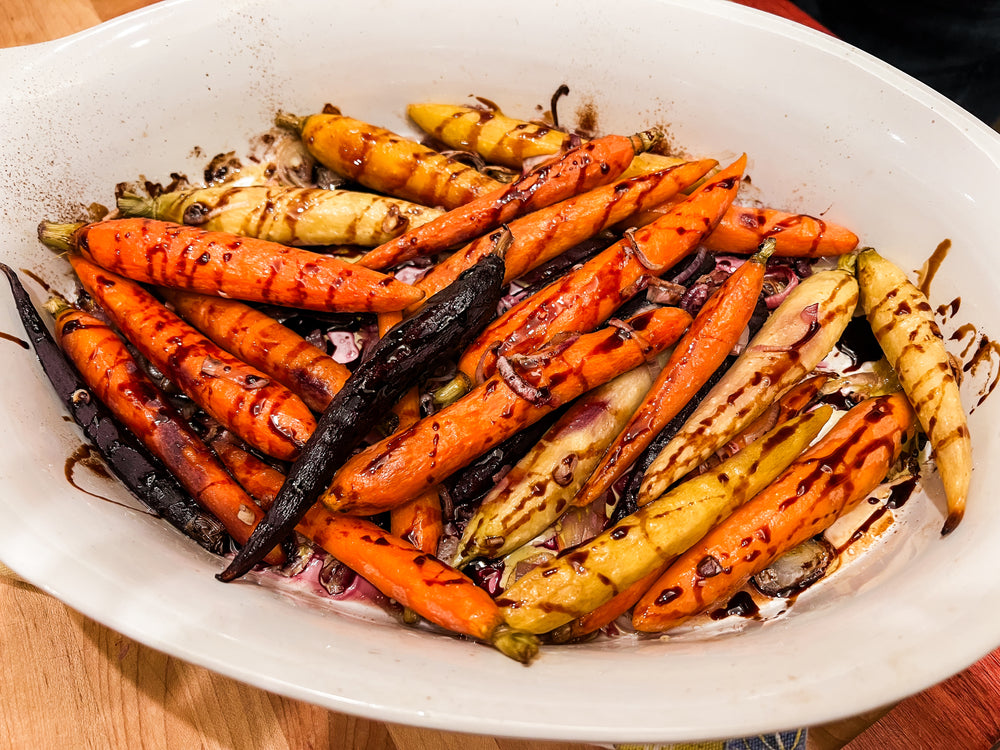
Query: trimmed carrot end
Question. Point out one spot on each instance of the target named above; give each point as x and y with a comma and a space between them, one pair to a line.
519, 646
954, 518
58, 237
130, 204
289, 121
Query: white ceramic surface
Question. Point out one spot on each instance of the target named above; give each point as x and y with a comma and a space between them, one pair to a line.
828, 129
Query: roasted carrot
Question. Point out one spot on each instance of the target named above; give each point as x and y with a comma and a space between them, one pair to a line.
394, 364
419, 520
488, 132
264, 343
401, 571
524, 390
578, 170
606, 613
743, 228
289, 215
590, 574
109, 369
416, 580
508, 141
830, 478
791, 403
126, 457
903, 323
794, 339
586, 297
262, 412
714, 333
386, 162
544, 234
227, 265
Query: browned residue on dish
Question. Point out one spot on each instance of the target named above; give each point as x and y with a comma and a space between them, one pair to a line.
14, 339
930, 268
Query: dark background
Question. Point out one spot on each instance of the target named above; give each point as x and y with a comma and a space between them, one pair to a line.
951, 45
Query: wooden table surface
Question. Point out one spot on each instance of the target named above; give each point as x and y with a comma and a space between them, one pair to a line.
70, 682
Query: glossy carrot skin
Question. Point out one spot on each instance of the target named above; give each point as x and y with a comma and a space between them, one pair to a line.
390, 472
585, 298
262, 412
544, 234
221, 264
394, 364
713, 334
393, 565
262, 342
108, 367
419, 520
826, 481
791, 404
743, 228
399, 570
580, 169
383, 161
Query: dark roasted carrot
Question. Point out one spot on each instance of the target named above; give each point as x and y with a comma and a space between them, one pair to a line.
394, 364
743, 228
261, 480
524, 390
262, 412
713, 334
228, 265
544, 234
109, 369
826, 481
578, 170
419, 520
386, 162
126, 457
397, 568
584, 298
262, 342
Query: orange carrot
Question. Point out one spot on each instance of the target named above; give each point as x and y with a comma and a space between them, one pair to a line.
544, 234
262, 342
418, 520
826, 481
743, 228
261, 480
398, 569
107, 366
525, 389
578, 170
228, 265
586, 297
264, 413
795, 235
713, 334
386, 162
